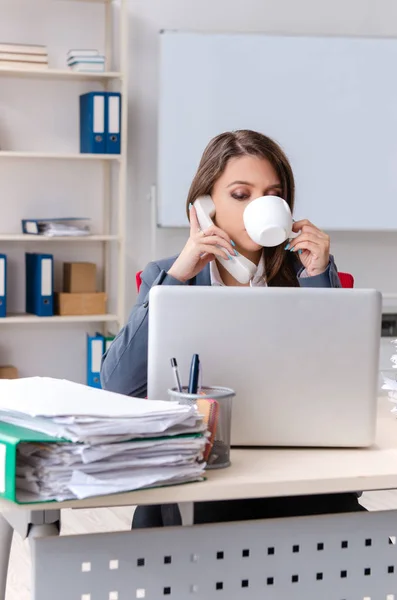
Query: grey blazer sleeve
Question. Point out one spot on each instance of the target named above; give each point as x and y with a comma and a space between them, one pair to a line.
124, 366
328, 279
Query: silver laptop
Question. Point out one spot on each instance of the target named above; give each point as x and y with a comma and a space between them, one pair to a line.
303, 362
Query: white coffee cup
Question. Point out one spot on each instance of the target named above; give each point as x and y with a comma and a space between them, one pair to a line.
268, 221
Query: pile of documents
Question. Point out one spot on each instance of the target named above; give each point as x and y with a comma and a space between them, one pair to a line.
57, 227
23, 56
391, 384
92, 442
87, 61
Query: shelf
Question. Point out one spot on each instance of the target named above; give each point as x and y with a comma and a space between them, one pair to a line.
59, 156
58, 74
24, 318
90, 1
23, 237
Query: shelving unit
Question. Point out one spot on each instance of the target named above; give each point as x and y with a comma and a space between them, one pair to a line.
114, 169
59, 155
59, 74
25, 319
39, 239
93, 1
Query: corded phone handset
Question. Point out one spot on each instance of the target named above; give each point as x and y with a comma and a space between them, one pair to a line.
239, 267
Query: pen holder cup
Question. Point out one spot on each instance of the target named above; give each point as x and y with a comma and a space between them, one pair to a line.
218, 416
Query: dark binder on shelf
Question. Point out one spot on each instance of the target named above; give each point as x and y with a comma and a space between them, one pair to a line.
93, 123
39, 284
3, 285
113, 122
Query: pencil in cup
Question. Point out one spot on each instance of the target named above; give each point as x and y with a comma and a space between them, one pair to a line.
209, 408
215, 403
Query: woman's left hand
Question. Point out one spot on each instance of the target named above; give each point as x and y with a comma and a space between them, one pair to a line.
314, 245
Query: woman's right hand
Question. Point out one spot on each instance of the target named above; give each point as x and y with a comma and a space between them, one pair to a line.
201, 248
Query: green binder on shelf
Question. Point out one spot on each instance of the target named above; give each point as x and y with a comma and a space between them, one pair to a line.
10, 437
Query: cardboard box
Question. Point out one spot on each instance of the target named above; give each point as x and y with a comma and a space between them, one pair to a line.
80, 304
8, 372
79, 277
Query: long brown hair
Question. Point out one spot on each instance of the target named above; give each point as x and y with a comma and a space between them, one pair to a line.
279, 264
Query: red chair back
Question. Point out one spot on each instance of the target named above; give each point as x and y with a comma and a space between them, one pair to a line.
347, 280
138, 280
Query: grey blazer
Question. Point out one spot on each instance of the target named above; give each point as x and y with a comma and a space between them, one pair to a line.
124, 366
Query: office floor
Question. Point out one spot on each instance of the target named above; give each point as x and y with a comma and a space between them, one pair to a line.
117, 519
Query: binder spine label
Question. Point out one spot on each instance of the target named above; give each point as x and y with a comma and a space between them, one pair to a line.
31, 227
114, 114
46, 277
2, 277
96, 355
99, 114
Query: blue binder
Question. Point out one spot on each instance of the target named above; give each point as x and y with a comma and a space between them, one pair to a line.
95, 351
113, 122
3, 285
30, 268
93, 123
39, 284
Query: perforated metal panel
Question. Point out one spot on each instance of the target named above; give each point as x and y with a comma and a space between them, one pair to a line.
341, 557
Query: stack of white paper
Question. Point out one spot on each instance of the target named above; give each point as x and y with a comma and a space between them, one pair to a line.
65, 471
79, 413
63, 230
103, 461
57, 227
391, 384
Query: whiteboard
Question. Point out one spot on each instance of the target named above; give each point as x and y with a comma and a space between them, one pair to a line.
331, 102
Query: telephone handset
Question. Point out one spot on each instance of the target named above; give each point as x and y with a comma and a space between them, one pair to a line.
239, 267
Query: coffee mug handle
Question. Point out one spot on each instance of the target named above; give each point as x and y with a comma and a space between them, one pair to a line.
292, 234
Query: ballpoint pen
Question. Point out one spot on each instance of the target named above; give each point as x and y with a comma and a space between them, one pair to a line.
174, 366
194, 374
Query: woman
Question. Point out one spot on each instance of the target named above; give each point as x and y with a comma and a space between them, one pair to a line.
236, 168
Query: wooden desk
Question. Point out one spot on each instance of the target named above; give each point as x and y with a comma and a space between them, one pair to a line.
334, 557
271, 472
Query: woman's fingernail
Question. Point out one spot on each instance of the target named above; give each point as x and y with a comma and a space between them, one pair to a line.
232, 243
300, 251
190, 205
287, 247
236, 253
292, 249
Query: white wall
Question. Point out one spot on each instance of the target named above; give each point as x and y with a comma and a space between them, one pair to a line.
43, 115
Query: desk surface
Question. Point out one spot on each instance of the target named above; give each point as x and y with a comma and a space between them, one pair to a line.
274, 472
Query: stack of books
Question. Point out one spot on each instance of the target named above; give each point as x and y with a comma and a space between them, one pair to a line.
61, 440
86, 61
23, 56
